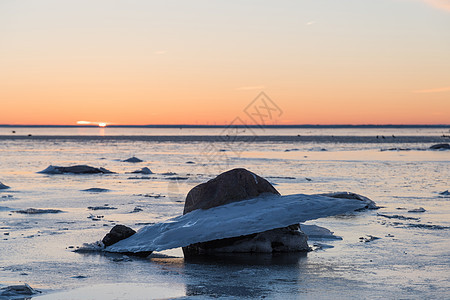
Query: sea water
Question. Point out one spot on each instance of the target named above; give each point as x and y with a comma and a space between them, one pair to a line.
386, 253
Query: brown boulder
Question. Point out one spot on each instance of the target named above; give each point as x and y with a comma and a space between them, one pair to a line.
231, 186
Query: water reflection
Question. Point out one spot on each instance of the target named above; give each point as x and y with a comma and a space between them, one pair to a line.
238, 275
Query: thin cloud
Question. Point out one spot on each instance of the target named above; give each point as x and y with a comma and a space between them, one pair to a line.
160, 52
429, 91
251, 88
441, 4
310, 23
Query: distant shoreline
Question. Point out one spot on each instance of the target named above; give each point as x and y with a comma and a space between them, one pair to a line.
227, 126
239, 139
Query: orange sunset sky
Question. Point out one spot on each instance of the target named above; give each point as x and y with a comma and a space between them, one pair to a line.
203, 62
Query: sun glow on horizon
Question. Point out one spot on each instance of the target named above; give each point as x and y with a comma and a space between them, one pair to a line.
99, 124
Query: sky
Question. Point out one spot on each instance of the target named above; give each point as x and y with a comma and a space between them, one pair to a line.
206, 62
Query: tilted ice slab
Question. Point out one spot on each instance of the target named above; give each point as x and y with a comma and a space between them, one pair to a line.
255, 215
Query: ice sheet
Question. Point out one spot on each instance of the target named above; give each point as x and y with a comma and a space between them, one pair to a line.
235, 219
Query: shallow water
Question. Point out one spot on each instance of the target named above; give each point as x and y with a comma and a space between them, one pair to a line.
410, 260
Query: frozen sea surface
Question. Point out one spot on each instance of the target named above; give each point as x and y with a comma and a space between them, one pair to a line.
402, 256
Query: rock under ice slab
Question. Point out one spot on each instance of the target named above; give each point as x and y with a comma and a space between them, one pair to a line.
235, 219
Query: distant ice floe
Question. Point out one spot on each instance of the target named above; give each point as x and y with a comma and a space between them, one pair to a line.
35, 211
443, 146
133, 159
20, 291
104, 207
246, 217
398, 149
96, 190
417, 210
140, 177
445, 193
78, 169
3, 187
399, 217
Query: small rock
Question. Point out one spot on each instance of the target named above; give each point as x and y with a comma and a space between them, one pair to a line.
3, 187
445, 193
440, 146
133, 159
117, 233
177, 178
95, 190
144, 170
368, 239
136, 209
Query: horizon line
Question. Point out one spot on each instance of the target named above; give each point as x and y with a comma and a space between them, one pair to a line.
232, 125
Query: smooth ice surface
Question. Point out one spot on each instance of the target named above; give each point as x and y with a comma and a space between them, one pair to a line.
129, 291
235, 219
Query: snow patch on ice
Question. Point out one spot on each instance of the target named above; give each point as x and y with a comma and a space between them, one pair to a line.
256, 179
